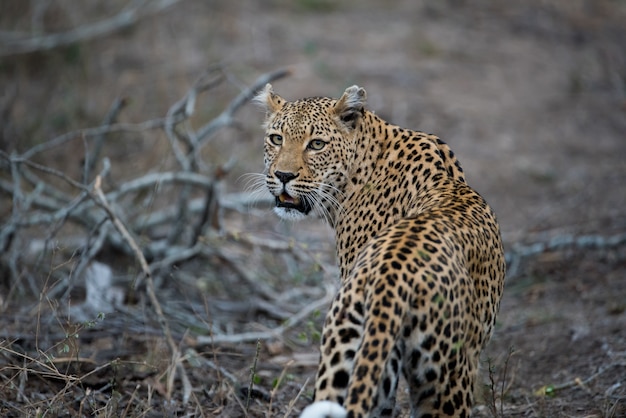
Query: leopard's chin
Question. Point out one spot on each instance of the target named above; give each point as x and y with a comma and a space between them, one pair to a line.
289, 214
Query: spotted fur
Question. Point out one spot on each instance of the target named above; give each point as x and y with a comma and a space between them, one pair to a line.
419, 251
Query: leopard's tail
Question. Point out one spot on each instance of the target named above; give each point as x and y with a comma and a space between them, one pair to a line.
324, 409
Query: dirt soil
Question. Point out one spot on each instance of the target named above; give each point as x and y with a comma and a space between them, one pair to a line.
530, 95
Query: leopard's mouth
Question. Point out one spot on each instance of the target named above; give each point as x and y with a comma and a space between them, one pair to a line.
285, 200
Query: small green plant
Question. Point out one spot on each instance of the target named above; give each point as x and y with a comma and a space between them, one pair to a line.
428, 48
311, 333
279, 380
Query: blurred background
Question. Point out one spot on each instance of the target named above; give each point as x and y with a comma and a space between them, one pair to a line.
530, 95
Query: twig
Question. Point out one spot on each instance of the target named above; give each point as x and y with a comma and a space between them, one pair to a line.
60, 197
504, 373
210, 215
48, 368
187, 388
226, 117
248, 276
80, 209
91, 249
275, 387
157, 179
157, 123
202, 135
45, 169
195, 142
518, 252
550, 390
119, 226
208, 363
6, 107
176, 256
211, 203
182, 216
292, 403
92, 158
274, 333
243, 408
232, 201
184, 109
253, 373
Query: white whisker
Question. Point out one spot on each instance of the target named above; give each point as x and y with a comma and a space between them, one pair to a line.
331, 194
325, 200
252, 179
315, 201
255, 186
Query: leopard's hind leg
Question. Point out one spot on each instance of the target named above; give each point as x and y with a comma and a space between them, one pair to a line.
361, 353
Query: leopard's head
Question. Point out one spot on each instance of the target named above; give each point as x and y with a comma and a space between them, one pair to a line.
309, 151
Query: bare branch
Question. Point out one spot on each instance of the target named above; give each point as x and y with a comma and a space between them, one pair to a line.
185, 107
278, 332
17, 43
92, 158
226, 117
521, 251
100, 198
152, 124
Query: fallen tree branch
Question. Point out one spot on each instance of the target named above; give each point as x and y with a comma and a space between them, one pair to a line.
56, 206
277, 332
550, 390
20, 43
87, 133
91, 158
101, 200
520, 251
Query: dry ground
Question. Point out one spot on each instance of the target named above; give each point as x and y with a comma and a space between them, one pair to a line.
531, 96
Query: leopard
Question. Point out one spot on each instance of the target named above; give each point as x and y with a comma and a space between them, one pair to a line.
419, 252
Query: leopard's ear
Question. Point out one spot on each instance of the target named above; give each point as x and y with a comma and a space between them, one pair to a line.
269, 100
351, 106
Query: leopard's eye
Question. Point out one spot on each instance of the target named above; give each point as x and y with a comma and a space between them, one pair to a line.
276, 139
316, 144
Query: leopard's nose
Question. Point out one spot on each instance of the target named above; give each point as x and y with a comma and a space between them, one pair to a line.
285, 177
